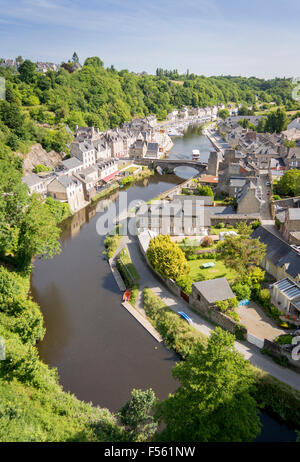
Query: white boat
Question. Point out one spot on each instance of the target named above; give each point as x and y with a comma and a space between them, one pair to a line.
196, 154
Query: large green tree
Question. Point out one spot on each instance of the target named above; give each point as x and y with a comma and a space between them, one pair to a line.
137, 415
214, 402
241, 252
38, 235
289, 183
167, 258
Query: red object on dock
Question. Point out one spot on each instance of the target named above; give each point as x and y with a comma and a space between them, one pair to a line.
127, 295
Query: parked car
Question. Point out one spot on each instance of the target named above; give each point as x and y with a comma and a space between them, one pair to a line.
268, 183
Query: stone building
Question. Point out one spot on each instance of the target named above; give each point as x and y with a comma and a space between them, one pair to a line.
281, 260
291, 227
248, 200
68, 189
207, 293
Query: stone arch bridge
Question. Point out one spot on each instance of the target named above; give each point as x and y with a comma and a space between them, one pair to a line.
169, 165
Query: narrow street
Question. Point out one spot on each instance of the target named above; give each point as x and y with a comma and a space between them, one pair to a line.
250, 352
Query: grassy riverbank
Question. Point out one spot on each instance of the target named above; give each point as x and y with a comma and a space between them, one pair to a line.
129, 274
33, 406
270, 394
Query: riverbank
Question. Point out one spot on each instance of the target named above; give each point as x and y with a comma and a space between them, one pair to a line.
271, 394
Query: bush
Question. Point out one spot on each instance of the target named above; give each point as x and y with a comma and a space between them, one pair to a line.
185, 282
41, 168
242, 291
284, 339
264, 298
207, 241
167, 258
220, 225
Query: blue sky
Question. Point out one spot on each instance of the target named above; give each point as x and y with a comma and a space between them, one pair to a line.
238, 37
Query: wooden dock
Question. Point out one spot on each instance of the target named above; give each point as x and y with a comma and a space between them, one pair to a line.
143, 321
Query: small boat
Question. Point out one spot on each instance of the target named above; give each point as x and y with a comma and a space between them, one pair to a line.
185, 316
196, 154
127, 295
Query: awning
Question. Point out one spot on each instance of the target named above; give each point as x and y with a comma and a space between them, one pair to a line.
109, 177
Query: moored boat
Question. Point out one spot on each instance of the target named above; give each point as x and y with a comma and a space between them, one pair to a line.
196, 154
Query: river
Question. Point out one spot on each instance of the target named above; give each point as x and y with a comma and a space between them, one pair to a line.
100, 351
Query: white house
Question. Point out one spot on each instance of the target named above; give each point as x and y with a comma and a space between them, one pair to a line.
84, 151
35, 184
107, 169
68, 189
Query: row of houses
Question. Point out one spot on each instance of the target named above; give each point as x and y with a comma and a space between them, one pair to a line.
138, 138
41, 66
206, 114
74, 181
265, 150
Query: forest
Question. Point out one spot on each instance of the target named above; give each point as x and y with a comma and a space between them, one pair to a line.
38, 106
33, 406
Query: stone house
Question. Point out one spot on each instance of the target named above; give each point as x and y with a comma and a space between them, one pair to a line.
84, 151
153, 151
139, 148
115, 141
68, 189
35, 184
69, 166
281, 260
291, 227
248, 199
107, 169
207, 293
89, 177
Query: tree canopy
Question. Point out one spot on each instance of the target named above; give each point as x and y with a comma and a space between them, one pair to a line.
214, 401
167, 258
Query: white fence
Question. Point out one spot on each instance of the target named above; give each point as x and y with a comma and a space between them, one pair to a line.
255, 340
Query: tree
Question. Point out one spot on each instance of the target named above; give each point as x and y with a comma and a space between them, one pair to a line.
167, 258
241, 252
205, 191
75, 58
289, 183
27, 71
38, 233
214, 402
223, 113
276, 121
136, 415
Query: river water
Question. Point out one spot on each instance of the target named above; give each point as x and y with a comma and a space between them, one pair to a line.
100, 351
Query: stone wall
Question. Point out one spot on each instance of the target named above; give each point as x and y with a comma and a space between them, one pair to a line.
278, 352
233, 219
217, 317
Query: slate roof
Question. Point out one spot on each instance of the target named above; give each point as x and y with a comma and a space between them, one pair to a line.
32, 179
214, 289
278, 251
72, 162
207, 200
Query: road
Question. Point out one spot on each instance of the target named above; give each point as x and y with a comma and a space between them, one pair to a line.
250, 352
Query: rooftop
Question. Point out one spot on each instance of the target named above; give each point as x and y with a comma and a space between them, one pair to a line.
214, 290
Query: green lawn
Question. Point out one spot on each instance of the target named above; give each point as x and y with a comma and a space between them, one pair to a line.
219, 270
217, 231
